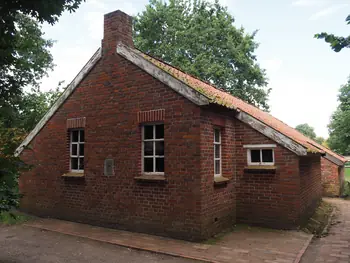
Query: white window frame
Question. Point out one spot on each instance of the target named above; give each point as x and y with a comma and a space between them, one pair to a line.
260, 147
154, 156
220, 157
78, 147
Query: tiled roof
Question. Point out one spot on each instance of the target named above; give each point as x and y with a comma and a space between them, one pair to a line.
225, 99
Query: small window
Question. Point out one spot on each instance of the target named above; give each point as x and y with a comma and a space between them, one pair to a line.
153, 148
217, 152
260, 157
77, 145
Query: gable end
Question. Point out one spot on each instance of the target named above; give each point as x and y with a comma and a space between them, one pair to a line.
69, 90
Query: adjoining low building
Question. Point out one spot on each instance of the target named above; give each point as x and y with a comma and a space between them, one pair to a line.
137, 144
332, 177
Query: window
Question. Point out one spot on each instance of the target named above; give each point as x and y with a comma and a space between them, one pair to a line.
260, 154
77, 139
217, 152
153, 148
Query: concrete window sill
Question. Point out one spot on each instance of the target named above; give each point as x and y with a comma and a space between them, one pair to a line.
261, 168
75, 175
151, 178
220, 180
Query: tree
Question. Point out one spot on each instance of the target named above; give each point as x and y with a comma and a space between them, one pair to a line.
320, 140
24, 60
29, 62
200, 38
33, 107
337, 43
9, 166
23, 52
307, 130
339, 126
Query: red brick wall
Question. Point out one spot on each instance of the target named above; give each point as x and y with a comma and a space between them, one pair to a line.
332, 178
218, 201
266, 198
310, 184
110, 98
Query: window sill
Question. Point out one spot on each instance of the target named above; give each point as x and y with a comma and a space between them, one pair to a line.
220, 180
151, 178
260, 168
72, 174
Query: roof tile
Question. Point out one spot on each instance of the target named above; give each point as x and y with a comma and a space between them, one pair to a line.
225, 99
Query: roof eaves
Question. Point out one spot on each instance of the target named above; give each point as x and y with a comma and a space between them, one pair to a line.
272, 133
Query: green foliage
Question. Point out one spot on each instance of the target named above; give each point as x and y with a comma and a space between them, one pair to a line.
339, 127
9, 166
24, 55
12, 218
320, 140
42, 10
337, 43
24, 60
200, 38
27, 63
33, 107
307, 130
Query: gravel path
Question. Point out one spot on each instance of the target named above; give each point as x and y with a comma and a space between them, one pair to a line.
22, 244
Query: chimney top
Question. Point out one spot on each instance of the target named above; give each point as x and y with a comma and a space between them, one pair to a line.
117, 28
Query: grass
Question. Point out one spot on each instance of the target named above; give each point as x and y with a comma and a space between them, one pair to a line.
347, 174
14, 217
317, 223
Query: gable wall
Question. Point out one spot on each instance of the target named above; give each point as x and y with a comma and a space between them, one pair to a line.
268, 198
332, 178
109, 98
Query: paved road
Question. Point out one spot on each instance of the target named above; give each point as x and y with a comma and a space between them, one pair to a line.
336, 246
22, 244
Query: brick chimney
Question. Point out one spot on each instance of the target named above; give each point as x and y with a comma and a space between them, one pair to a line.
117, 28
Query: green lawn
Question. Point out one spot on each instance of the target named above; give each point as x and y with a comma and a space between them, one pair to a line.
347, 174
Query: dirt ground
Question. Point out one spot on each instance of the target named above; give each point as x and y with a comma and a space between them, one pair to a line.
23, 244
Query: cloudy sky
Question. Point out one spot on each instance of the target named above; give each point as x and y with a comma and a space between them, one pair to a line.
304, 73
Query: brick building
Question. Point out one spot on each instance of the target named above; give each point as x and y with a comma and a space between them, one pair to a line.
332, 177
136, 144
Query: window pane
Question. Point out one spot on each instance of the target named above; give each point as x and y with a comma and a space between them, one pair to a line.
148, 148
160, 131
82, 136
81, 149
160, 148
255, 156
217, 150
74, 149
160, 165
217, 167
148, 164
148, 132
81, 163
216, 135
267, 156
74, 163
75, 136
